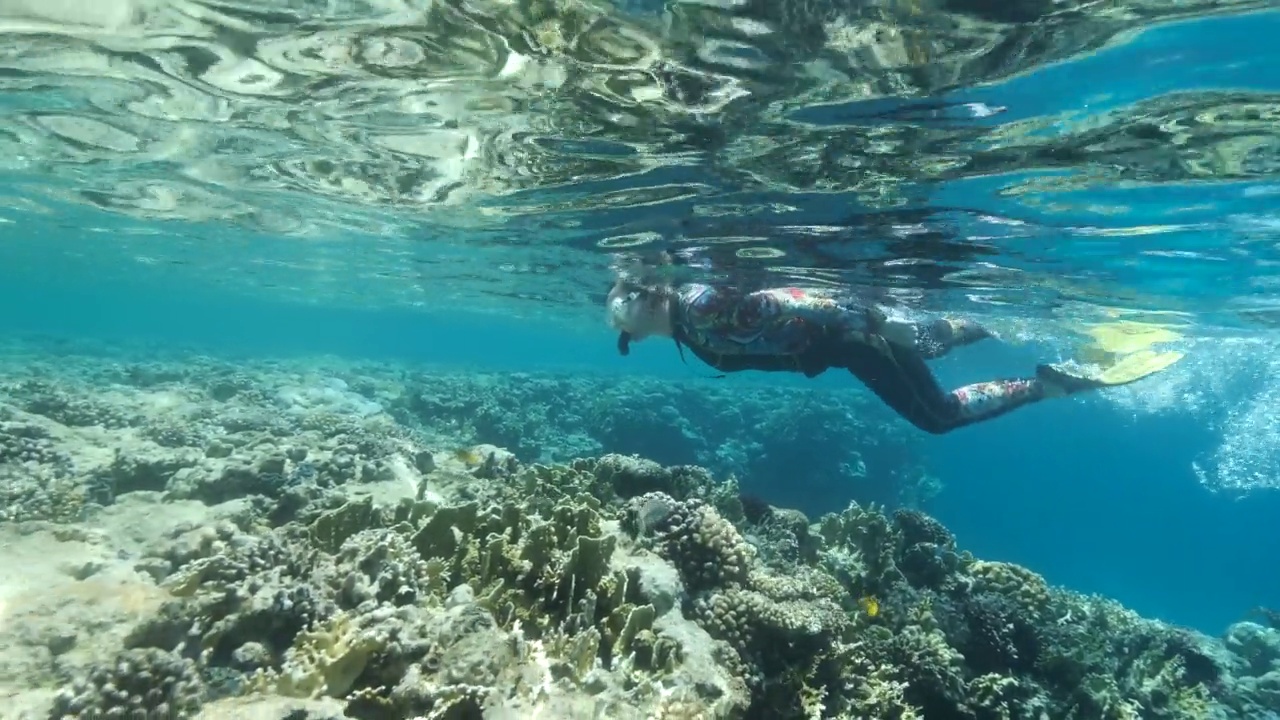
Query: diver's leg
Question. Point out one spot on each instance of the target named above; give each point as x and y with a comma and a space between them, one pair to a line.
900, 378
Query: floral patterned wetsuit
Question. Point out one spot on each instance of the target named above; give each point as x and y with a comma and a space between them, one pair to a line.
811, 331
774, 329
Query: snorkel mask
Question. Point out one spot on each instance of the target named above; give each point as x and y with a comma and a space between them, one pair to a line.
621, 311
633, 311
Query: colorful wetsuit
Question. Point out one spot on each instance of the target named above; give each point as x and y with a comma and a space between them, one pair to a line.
811, 331
775, 329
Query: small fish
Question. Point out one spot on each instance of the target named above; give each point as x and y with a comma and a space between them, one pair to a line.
467, 456
870, 605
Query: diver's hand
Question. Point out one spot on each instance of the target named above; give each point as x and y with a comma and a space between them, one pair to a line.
902, 333
899, 333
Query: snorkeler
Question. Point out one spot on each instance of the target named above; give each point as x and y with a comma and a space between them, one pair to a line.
811, 331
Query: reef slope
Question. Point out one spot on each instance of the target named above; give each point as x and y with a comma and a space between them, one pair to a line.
200, 540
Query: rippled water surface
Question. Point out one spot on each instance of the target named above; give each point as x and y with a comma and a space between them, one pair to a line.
1032, 157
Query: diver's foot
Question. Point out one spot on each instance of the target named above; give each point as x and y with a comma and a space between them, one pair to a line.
1059, 382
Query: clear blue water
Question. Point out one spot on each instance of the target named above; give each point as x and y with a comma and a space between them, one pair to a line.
1131, 168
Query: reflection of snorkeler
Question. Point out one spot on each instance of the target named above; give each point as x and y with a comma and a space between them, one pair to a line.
810, 331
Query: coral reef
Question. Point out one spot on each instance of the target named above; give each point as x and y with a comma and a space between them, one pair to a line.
327, 561
752, 436
218, 420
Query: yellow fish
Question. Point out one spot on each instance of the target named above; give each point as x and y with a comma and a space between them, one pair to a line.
870, 605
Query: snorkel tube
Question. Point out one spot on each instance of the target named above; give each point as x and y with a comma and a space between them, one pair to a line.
618, 314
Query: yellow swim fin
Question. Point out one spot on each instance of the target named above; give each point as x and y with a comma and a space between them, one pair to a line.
1130, 368
1137, 365
1112, 341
